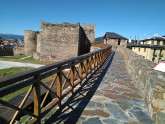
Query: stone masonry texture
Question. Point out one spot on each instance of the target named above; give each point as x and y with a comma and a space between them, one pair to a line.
114, 42
109, 96
11, 51
150, 82
59, 41
30, 41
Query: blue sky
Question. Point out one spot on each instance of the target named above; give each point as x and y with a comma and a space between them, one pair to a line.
129, 18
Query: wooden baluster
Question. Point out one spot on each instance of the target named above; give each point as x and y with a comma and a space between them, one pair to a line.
59, 85
101, 56
97, 58
37, 98
86, 67
90, 64
72, 77
94, 62
81, 71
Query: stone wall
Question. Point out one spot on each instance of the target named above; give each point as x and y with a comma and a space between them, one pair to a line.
112, 41
30, 41
11, 51
123, 42
150, 82
84, 42
58, 41
18, 51
89, 31
6, 51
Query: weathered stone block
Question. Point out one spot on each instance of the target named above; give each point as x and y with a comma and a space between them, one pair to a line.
160, 118
148, 81
59, 41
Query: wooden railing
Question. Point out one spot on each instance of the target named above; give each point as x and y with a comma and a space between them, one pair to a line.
80, 69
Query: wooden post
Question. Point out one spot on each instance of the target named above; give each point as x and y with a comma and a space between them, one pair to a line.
94, 61
37, 98
98, 60
59, 85
81, 71
86, 68
90, 64
72, 77
101, 56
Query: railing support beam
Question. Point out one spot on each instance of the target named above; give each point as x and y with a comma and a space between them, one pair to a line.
59, 86
37, 99
72, 77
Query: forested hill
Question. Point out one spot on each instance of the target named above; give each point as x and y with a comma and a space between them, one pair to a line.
11, 36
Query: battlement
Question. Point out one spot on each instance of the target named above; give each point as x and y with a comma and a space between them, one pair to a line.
88, 26
30, 32
53, 39
89, 31
64, 24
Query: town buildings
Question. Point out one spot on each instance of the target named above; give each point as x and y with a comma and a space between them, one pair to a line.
152, 49
112, 38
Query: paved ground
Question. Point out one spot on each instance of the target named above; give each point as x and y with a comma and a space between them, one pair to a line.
108, 97
9, 64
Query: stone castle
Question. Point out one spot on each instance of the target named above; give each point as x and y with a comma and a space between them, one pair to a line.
59, 41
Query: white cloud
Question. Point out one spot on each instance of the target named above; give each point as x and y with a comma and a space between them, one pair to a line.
155, 35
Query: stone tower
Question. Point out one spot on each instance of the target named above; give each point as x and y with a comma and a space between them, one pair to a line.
58, 41
89, 31
30, 41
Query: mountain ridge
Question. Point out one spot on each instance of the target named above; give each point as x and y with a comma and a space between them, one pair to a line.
11, 36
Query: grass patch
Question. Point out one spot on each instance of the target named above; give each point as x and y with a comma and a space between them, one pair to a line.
11, 71
24, 118
14, 94
26, 60
12, 57
15, 70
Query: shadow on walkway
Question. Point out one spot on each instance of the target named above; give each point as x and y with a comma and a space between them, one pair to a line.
72, 109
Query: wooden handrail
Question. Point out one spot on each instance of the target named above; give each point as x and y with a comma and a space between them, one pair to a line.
27, 74
87, 64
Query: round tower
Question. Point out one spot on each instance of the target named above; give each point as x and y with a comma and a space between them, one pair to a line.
30, 42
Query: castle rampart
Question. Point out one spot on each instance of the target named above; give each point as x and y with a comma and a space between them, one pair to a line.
150, 82
59, 41
30, 41
11, 51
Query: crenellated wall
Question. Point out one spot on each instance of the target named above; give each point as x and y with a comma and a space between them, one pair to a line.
89, 31
59, 41
150, 82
